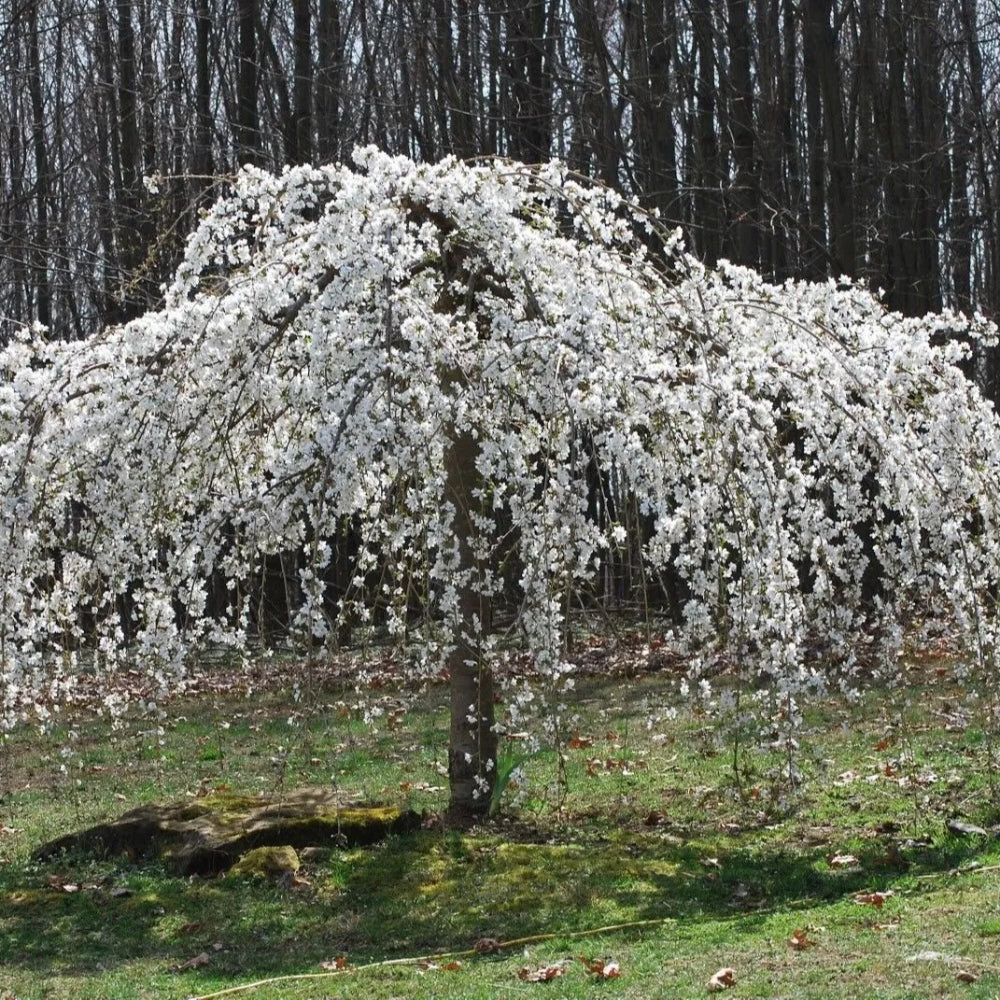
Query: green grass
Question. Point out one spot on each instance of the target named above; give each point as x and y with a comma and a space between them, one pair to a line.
641, 829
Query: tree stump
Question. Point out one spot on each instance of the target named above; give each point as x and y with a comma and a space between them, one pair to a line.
208, 835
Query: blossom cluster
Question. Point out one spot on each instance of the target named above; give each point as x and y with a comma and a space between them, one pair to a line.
795, 458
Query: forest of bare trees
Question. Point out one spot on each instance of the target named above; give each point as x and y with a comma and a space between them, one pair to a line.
805, 138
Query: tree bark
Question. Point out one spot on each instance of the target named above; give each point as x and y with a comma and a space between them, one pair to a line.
302, 88
745, 196
472, 747
248, 136
40, 242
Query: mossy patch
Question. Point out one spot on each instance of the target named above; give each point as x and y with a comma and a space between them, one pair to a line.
267, 862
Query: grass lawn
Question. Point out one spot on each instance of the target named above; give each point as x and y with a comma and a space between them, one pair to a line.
634, 854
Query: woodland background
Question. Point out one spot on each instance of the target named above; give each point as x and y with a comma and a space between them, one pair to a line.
805, 138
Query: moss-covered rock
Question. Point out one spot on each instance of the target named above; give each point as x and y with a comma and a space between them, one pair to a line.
208, 835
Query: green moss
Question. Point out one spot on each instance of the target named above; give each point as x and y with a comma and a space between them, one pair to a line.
267, 862
224, 802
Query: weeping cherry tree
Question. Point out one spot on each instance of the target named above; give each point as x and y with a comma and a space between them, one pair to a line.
457, 387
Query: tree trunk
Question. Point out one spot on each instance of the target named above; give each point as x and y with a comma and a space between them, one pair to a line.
745, 191
248, 137
329, 44
303, 86
472, 746
40, 243
203, 161
821, 44
707, 218
650, 33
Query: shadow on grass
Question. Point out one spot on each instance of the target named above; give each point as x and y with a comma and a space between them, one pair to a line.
413, 895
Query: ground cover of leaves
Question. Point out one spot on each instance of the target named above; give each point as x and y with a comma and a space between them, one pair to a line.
881, 879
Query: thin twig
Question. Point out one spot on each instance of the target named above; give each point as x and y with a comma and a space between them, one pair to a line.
961, 871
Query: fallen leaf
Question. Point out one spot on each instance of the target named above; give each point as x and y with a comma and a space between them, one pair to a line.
722, 980
964, 976
601, 968
800, 940
876, 899
60, 884
711, 863
843, 861
485, 945
885, 928
579, 742
426, 966
334, 964
192, 963
543, 974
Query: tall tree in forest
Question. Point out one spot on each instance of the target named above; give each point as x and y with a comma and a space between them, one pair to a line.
705, 171
328, 80
744, 197
248, 135
40, 248
650, 37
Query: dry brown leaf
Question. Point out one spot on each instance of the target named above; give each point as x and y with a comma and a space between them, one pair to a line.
722, 980
425, 966
603, 968
61, 884
800, 940
335, 964
843, 861
884, 927
192, 963
964, 976
876, 899
485, 945
543, 974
